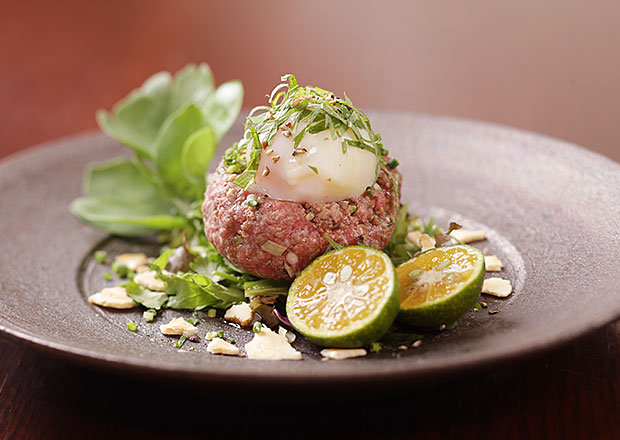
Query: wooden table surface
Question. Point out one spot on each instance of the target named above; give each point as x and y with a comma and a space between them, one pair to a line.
550, 67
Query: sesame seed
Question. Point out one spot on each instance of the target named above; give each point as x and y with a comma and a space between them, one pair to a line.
266, 172
275, 159
286, 133
269, 151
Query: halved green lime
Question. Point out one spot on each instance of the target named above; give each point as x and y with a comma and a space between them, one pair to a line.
440, 285
345, 298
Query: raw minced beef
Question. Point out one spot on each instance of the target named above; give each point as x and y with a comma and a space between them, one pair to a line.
239, 232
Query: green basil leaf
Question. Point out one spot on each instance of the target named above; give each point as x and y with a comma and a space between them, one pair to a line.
169, 146
196, 156
222, 107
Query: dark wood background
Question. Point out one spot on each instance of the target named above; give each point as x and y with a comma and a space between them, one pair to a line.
550, 67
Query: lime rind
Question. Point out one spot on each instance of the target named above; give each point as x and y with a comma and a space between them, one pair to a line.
360, 333
448, 309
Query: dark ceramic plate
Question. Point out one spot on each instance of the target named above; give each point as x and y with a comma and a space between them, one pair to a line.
550, 210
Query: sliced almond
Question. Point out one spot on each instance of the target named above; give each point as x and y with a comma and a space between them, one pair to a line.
113, 298
468, 235
492, 263
338, 354
497, 287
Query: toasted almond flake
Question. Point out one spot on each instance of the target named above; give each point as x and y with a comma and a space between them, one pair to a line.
132, 261
497, 287
468, 235
492, 263
113, 298
241, 314
413, 237
149, 280
179, 326
268, 345
220, 346
427, 242
338, 354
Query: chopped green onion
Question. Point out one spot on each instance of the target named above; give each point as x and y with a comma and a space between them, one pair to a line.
107, 276
101, 256
192, 320
179, 343
335, 246
257, 327
131, 326
211, 335
375, 347
120, 269
477, 306
352, 209
212, 313
231, 340
273, 248
393, 163
316, 171
220, 334
149, 315
252, 201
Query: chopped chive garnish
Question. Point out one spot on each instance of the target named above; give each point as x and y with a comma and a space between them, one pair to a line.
120, 269
107, 276
131, 326
220, 334
252, 201
101, 256
316, 171
192, 320
375, 347
477, 306
210, 335
179, 343
368, 190
149, 315
352, 209
392, 163
231, 340
257, 327
212, 313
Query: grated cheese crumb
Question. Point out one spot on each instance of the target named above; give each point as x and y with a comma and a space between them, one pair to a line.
492, 263
269, 345
220, 346
132, 261
338, 354
241, 314
179, 326
149, 280
112, 297
497, 287
468, 235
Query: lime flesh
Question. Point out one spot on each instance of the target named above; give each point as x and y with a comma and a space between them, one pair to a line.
440, 285
345, 298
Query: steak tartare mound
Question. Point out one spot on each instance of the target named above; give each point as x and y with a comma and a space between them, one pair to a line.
277, 239
309, 169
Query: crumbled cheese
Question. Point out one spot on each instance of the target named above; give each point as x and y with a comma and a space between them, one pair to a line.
492, 263
497, 287
179, 326
112, 297
268, 345
132, 261
149, 280
421, 240
468, 235
220, 346
241, 314
338, 354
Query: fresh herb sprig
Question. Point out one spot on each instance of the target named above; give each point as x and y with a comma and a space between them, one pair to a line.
173, 125
297, 111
